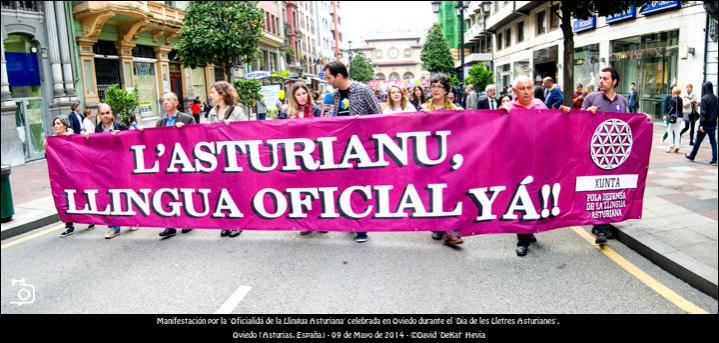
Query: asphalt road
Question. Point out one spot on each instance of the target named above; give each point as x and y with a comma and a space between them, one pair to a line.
282, 272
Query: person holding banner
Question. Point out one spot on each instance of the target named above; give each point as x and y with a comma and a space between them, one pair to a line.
350, 98
61, 127
397, 101
108, 124
175, 118
224, 96
524, 98
439, 88
300, 104
606, 100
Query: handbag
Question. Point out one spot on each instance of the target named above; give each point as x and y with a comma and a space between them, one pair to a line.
673, 108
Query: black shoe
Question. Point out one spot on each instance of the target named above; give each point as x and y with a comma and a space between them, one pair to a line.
224, 233
713, 163
168, 233
68, 231
90, 227
522, 250
235, 233
437, 235
601, 238
186, 230
691, 143
305, 233
688, 158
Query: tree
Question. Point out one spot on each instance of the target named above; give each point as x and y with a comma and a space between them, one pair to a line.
581, 10
479, 76
361, 68
248, 91
436, 57
122, 102
222, 33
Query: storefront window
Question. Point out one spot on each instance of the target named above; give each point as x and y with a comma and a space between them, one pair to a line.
651, 62
586, 65
23, 70
198, 83
146, 83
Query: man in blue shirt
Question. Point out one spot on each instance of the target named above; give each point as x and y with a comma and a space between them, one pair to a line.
555, 98
173, 117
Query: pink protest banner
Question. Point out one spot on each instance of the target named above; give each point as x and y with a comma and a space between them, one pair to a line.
475, 171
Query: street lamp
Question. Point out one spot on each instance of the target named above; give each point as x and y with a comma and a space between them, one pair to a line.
460, 7
349, 65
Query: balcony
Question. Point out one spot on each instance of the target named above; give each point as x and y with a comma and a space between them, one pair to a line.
166, 14
478, 57
133, 16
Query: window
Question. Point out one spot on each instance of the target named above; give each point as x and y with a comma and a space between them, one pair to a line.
408, 76
408, 52
394, 77
554, 17
378, 54
541, 24
499, 41
508, 38
520, 31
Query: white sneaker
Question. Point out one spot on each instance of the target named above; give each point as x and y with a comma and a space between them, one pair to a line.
133, 228
111, 234
669, 149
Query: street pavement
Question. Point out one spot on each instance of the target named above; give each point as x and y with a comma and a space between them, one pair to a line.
198, 272
278, 272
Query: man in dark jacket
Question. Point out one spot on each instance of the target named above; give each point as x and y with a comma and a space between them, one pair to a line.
173, 117
75, 118
707, 122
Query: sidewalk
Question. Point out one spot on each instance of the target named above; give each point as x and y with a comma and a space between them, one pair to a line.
678, 231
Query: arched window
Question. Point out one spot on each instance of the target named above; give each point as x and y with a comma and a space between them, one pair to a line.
407, 76
393, 76
379, 76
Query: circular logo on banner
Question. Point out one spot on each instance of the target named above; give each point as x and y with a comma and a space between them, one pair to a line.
611, 144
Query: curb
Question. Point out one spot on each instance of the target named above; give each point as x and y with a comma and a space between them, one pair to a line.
682, 266
28, 226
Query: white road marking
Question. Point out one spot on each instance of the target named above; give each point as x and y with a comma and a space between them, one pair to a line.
234, 300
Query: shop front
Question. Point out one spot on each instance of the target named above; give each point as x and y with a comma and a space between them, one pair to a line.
651, 62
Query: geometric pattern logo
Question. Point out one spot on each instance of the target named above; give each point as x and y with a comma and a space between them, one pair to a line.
611, 144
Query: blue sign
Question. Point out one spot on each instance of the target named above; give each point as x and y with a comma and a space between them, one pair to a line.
321, 75
581, 25
659, 6
622, 16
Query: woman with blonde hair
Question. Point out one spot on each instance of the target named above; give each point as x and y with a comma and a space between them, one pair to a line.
674, 116
88, 124
300, 104
397, 101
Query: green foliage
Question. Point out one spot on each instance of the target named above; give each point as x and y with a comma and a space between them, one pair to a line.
436, 56
122, 102
479, 76
453, 79
361, 68
248, 91
223, 33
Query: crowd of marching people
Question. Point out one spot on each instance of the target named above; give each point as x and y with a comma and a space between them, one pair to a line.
351, 98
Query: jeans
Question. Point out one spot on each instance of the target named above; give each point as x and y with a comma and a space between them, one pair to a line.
708, 131
114, 228
688, 124
632, 109
261, 116
675, 132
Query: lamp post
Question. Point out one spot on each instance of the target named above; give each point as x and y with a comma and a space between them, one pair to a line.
349, 64
460, 7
